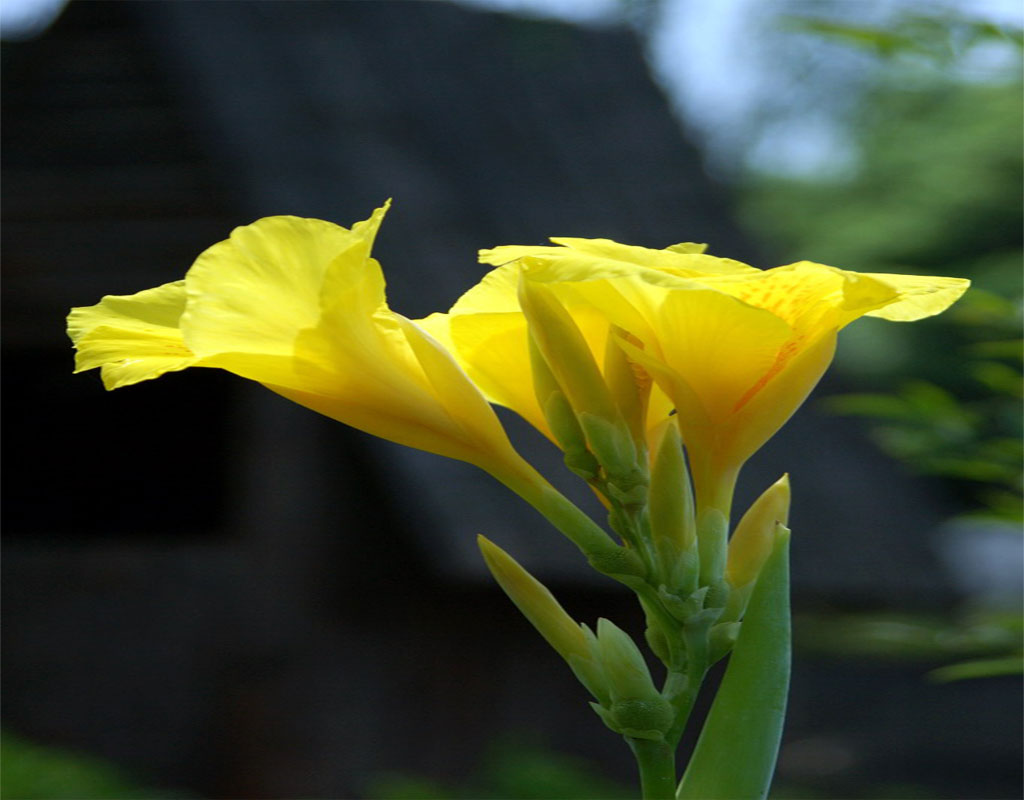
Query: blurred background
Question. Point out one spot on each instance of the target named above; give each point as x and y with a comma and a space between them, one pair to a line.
209, 592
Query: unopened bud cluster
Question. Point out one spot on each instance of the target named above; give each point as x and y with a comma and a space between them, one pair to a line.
692, 580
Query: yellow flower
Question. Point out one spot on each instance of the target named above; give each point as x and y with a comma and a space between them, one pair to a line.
487, 332
735, 348
298, 305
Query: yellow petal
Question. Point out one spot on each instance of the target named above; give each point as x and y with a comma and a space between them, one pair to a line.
719, 343
812, 296
918, 296
417, 396
250, 295
487, 332
777, 399
806, 295
683, 260
734, 348
488, 335
375, 370
465, 407
299, 305
132, 337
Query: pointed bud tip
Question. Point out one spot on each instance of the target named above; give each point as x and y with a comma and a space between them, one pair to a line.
501, 565
757, 533
487, 547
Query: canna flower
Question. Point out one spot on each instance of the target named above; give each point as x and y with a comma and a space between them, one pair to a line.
736, 349
298, 305
487, 330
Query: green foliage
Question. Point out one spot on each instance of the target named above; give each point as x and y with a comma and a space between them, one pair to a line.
936, 191
979, 668
938, 186
511, 769
974, 436
30, 771
985, 634
988, 643
940, 37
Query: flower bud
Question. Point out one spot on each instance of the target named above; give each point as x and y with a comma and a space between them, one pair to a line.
560, 417
628, 383
624, 665
754, 537
642, 719
618, 562
567, 354
671, 513
637, 708
545, 613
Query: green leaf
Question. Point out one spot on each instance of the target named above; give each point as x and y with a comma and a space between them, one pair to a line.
979, 668
736, 752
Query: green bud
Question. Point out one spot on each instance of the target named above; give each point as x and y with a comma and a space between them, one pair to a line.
638, 719
739, 596
695, 602
628, 383
718, 595
624, 666
642, 719
680, 609
702, 620
563, 365
671, 504
560, 417
657, 641
589, 670
565, 351
536, 603
671, 514
629, 490
737, 602
685, 571
610, 441
618, 561
755, 535
583, 464
721, 640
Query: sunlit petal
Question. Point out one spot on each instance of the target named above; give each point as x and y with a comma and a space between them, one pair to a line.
132, 337
299, 305
735, 349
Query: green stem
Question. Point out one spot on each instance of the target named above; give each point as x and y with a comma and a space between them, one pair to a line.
681, 691
713, 485
657, 764
575, 525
